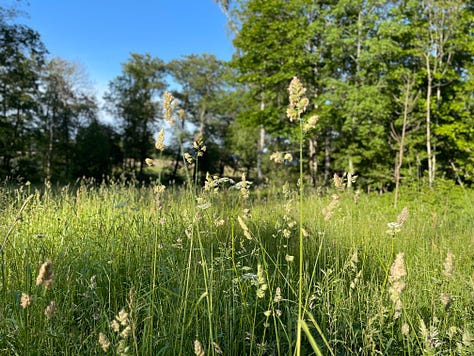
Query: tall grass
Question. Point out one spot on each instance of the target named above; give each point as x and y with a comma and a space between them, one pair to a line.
188, 272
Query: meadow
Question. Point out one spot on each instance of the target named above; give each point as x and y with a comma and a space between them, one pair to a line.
127, 269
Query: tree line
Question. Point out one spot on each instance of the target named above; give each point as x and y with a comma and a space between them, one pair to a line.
390, 85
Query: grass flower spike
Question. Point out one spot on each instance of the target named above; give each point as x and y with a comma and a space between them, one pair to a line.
169, 105
198, 349
50, 309
104, 342
26, 300
448, 265
159, 143
298, 102
397, 284
45, 275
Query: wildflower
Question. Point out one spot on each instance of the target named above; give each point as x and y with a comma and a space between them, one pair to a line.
45, 275
448, 265
149, 162
169, 104
159, 144
286, 233
288, 157
104, 342
298, 102
267, 313
26, 300
198, 349
49, 311
393, 229
289, 258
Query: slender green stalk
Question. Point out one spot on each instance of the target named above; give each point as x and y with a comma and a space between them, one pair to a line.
301, 251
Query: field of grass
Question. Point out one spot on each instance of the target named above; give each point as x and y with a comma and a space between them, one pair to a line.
141, 271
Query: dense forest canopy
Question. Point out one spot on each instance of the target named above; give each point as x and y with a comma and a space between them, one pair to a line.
390, 84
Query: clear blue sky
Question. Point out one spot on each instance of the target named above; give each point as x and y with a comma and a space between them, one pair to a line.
100, 34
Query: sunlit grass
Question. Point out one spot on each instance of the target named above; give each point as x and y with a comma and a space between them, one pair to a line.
188, 272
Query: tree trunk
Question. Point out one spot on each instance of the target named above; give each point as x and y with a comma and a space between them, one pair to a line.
260, 146
313, 163
327, 157
431, 173
401, 149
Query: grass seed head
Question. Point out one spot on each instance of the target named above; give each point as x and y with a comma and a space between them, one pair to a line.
298, 100
104, 342
169, 105
159, 143
198, 349
448, 265
45, 275
26, 300
50, 309
217, 348
403, 217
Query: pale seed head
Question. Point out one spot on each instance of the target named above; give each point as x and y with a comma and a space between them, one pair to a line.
104, 342
159, 143
49, 311
448, 265
26, 300
198, 349
45, 275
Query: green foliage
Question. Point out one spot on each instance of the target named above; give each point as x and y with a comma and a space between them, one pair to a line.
133, 98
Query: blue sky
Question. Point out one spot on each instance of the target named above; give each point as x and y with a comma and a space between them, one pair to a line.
100, 34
